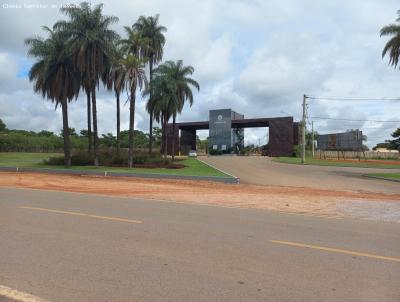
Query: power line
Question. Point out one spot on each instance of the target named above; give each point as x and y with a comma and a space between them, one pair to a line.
338, 98
350, 120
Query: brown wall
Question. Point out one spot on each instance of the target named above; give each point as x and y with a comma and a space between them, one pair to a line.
281, 136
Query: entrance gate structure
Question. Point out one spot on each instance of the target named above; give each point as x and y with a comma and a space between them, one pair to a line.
283, 132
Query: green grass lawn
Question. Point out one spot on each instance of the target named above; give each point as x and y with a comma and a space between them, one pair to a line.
386, 175
35, 160
323, 162
23, 159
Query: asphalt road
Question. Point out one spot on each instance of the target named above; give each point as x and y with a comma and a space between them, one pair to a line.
263, 171
76, 247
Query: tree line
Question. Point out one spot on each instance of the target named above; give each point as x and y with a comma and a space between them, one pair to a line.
82, 52
48, 141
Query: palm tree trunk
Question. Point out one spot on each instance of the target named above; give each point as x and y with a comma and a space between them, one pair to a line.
89, 121
151, 113
118, 121
67, 147
162, 136
131, 126
95, 133
165, 138
151, 133
173, 137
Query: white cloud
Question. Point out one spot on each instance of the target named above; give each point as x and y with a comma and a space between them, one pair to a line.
215, 63
8, 68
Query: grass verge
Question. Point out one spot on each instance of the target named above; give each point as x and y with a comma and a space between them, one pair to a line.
390, 176
35, 160
324, 162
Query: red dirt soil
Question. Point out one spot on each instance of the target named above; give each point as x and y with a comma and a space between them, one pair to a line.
288, 199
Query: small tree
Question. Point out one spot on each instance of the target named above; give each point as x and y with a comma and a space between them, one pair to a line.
2, 125
395, 143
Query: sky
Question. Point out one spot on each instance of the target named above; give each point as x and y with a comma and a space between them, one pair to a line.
257, 57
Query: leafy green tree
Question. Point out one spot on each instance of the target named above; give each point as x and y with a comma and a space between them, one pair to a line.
71, 131
395, 143
45, 133
55, 76
90, 41
392, 47
157, 134
140, 139
2, 125
84, 133
108, 140
149, 28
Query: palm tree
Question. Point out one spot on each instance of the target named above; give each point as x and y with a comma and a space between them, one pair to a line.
85, 84
90, 40
54, 76
115, 82
132, 74
178, 76
392, 47
161, 104
149, 28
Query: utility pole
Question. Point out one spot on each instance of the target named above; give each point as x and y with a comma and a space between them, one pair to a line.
303, 132
312, 137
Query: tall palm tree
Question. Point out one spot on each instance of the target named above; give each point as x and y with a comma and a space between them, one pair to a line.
117, 84
161, 104
54, 76
132, 74
392, 47
90, 40
149, 28
86, 87
179, 77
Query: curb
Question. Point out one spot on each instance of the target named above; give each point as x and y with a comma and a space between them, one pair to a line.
222, 171
382, 178
231, 180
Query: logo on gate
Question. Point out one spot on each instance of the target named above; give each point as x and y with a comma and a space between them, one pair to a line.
220, 117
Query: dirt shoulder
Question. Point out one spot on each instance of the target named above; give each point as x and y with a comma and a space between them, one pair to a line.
288, 199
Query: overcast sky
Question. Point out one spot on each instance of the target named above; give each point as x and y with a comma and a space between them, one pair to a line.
257, 57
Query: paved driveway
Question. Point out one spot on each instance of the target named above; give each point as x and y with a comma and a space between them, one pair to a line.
263, 171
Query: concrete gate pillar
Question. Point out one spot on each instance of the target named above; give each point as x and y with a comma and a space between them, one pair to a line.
187, 140
281, 136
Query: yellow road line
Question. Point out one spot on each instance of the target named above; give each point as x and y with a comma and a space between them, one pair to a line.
335, 250
83, 214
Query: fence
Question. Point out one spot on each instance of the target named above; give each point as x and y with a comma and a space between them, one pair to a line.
356, 154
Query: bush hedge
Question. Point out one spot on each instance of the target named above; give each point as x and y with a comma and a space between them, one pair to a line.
107, 157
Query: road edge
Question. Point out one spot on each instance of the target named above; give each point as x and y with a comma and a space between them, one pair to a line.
231, 179
222, 171
19, 296
382, 178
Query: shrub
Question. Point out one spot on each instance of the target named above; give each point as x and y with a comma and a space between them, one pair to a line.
108, 157
296, 151
54, 161
78, 158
